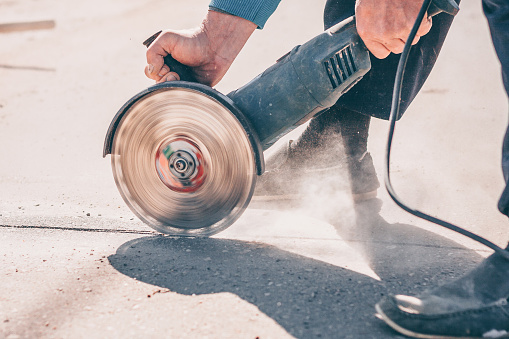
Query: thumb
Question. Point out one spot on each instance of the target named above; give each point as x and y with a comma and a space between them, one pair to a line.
160, 48
425, 26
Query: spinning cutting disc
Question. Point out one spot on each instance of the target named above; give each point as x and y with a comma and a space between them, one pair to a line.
183, 163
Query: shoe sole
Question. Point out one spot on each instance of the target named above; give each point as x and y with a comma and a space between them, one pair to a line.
381, 315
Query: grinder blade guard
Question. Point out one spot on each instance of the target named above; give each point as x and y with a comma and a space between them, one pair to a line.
183, 162
185, 157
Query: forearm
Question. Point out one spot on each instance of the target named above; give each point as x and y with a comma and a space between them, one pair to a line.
226, 34
209, 49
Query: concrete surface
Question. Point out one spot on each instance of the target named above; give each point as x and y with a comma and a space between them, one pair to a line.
75, 262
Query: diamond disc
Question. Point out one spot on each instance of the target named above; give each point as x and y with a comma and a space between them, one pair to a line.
183, 163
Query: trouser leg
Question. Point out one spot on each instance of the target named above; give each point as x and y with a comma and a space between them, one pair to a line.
372, 96
497, 14
503, 202
353, 129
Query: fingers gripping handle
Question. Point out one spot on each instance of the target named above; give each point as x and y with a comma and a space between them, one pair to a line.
185, 72
446, 6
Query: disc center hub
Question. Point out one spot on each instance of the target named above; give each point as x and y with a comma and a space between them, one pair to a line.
179, 164
182, 164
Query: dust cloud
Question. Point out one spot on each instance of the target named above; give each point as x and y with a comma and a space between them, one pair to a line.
311, 180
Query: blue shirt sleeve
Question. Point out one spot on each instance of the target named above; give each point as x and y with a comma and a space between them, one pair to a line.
256, 11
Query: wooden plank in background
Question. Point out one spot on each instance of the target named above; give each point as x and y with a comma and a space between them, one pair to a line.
26, 26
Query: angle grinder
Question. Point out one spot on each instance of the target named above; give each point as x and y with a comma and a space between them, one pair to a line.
185, 157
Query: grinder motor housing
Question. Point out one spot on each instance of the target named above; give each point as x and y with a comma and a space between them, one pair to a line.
305, 81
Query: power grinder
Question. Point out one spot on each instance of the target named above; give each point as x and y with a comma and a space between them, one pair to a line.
185, 157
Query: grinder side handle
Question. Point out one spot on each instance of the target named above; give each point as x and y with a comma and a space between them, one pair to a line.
185, 72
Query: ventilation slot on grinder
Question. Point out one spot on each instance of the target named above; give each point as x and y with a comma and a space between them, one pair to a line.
340, 66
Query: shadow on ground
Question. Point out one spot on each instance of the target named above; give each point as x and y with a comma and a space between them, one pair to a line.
307, 297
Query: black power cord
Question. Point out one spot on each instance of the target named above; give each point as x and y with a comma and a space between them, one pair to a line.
395, 108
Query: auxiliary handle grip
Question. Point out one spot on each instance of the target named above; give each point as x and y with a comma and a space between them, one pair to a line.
446, 6
185, 72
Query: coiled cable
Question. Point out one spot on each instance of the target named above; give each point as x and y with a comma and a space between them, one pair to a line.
395, 109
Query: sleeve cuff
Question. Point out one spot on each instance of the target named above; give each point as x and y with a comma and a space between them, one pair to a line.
256, 11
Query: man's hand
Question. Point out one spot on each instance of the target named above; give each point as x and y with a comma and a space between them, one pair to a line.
209, 49
384, 25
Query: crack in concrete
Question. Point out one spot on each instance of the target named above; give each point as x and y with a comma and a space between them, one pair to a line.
81, 229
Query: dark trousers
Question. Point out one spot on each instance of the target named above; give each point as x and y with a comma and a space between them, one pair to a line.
372, 96
497, 13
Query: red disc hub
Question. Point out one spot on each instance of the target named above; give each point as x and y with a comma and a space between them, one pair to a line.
180, 165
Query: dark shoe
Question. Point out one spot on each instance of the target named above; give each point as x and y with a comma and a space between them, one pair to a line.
474, 306
294, 169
